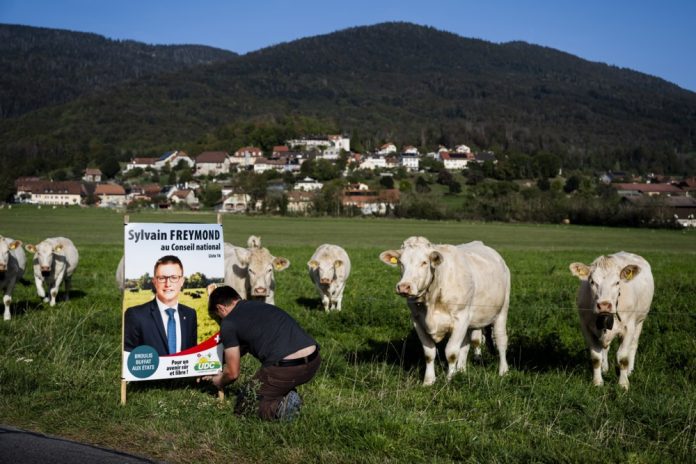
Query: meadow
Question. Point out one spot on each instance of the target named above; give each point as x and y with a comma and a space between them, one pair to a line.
60, 366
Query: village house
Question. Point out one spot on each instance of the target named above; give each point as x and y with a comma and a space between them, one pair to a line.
339, 142
409, 161
92, 175
110, 195
386, 149
140, 162
300, 201
308, 185
234, 202
370, 201
410, 149
212, 163
455, 161
58, 193
638, 189
373, 162
183, 197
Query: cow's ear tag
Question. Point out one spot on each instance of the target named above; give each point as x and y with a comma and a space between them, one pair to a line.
393, 260
629, 274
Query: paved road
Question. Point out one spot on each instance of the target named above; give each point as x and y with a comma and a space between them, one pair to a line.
23, 447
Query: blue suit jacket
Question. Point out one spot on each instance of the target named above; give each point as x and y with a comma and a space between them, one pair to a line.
143, 325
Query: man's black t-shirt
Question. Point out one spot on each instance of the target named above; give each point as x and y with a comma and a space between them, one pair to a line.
268, 332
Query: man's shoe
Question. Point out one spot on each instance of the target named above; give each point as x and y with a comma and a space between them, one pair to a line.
289, 407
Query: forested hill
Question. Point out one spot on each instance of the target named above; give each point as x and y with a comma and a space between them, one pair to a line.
396, 82
42, 67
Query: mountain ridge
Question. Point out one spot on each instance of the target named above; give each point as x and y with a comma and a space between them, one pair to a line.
397, 82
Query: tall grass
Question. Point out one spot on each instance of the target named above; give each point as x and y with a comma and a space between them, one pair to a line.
60, 366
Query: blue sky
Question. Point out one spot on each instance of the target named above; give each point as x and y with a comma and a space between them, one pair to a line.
654, 37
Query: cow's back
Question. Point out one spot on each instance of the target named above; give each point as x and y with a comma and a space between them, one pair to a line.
487, 268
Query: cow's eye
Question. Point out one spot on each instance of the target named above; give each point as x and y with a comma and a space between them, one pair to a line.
424, 263
592, 282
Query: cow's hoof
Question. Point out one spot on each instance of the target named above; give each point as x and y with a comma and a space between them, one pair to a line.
46, 299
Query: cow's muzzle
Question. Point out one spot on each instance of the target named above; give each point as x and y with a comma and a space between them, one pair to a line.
260, 291
325, 282
45, 273
605, 321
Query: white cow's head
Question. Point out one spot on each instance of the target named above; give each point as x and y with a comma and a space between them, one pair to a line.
260, 264
417, 259
44, 254
327, 271
5, 247
604, 276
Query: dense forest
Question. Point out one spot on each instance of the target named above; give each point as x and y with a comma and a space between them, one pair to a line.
396, 82
42, 67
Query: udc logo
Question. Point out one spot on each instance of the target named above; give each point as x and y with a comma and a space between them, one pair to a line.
205, 364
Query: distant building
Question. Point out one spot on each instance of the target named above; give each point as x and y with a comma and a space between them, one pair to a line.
308, 185
110, 195
92, 175
63, 193
212, 163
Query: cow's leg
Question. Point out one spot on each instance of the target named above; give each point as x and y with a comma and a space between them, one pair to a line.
40, 288
339, 299
53, 289
455, 345
429, 350
326, 302
501, 340
634, 347
7, 300
477, 339
623, 355
464, 351
596, 355
68, 282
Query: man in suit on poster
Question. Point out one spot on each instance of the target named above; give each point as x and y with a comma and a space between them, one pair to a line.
162, 323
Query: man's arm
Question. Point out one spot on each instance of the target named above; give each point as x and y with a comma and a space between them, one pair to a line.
230, 371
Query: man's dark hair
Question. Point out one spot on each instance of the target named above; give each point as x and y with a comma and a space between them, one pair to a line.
168, 259
224, 295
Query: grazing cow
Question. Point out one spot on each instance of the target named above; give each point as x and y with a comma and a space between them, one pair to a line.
613, 299
250, 270
12, 265
329, 268
453, 290
55, 260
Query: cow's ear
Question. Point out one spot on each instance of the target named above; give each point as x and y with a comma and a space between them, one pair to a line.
390, 257
436, 258
280, 263
16, 244
338, 264
30, 248
58, 248
242, 256
629, 272
313, 264
579, 270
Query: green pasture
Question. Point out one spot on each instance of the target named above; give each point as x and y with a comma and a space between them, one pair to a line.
60, 366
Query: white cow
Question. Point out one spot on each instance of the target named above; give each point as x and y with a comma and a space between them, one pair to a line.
613, 299
329, 268
250, 270
55, 260
453, 290
12, 265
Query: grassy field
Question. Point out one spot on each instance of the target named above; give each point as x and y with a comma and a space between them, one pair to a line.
59, 369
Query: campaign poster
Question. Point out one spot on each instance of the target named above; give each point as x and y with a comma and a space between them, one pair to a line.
173, 264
